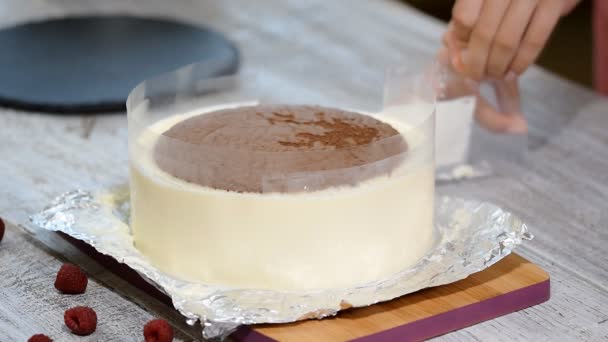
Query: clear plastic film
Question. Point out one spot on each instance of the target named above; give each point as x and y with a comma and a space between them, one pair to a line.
360, 174
478, 124
467, 139
158, 104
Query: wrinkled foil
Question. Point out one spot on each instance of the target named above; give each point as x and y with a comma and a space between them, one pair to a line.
472, 236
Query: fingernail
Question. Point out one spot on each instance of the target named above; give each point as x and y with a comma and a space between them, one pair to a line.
458, 62
518, 126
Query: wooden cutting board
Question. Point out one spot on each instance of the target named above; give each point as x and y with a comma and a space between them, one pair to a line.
512, 284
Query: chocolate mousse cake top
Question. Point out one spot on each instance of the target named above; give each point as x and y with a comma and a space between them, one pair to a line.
236, 149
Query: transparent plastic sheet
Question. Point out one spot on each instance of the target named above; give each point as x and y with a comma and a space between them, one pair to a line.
468, 235
179, 94
467, 145
464, 149
250, 196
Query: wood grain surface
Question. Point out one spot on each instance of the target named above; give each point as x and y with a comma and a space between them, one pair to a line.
510, 274
561, 188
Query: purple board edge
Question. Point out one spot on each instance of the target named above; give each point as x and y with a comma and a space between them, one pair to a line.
446, 322
465, 316
246, 334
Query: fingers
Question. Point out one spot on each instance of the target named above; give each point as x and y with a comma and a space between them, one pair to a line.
482, 36
569, 6
544, 19
488, 117
464, 17
490, 38
508, 118
455, 86
507, 94
454, 46
509, 36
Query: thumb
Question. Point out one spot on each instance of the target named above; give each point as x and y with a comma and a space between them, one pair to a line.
508, 117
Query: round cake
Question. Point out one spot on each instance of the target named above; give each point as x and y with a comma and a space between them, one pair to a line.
280, 197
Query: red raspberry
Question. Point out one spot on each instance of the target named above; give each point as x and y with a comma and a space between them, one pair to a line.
158, 330
1, 229
71, 279
39, 338
81, 320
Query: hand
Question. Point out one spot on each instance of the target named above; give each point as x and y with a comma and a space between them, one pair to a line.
505, 118
496, 38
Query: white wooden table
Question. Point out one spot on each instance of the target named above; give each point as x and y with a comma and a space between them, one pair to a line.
561, 189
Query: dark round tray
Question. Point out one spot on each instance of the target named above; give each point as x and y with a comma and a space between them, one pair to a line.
90, 64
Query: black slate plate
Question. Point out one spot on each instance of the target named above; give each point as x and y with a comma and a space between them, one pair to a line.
90, 64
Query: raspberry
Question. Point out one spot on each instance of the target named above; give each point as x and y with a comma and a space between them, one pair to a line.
158, 330
71, 279
81, 320
39, 338
1, 229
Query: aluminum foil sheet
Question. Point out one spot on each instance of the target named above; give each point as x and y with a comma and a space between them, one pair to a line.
472, 236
